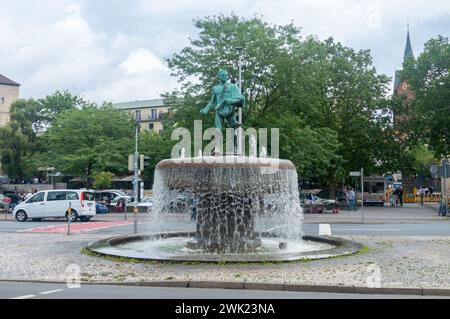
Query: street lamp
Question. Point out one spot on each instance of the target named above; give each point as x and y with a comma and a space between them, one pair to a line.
240, 129
135, 177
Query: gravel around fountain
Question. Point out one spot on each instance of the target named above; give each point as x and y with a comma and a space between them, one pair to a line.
402, 262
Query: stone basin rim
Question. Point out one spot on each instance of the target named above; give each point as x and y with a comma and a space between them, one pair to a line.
214, 163
342, 247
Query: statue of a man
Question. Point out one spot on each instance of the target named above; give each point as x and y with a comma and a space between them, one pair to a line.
226, 98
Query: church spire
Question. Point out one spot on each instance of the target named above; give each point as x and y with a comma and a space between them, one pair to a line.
408, 49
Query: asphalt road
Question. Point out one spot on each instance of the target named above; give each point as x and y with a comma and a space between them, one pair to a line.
441, 228
27, 290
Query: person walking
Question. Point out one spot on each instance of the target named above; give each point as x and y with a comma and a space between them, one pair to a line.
422, 194
352, 199
400, 196
395, 194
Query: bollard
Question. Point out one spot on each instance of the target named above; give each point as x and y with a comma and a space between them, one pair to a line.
69, 216
135, 213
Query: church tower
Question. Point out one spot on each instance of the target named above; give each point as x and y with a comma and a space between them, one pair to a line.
401, 88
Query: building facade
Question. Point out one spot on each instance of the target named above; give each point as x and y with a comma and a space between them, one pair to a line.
149, 113
9, 93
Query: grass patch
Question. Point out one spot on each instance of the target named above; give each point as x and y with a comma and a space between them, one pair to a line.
365, 249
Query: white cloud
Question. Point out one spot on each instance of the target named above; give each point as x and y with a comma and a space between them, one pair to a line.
108, 50
141, 76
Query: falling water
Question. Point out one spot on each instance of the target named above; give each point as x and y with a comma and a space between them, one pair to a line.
237, 200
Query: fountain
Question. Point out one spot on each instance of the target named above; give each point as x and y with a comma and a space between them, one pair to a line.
247, 209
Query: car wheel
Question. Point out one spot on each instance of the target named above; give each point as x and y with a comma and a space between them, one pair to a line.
73, 216
85, 219
21, 216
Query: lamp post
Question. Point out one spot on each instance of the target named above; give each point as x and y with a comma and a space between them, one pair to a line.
136, 178
240, 129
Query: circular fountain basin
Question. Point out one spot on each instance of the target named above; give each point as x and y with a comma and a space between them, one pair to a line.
172, 246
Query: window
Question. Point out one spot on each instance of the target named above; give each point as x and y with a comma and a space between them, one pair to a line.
2, 99
154, 115
89, 196
39, 197
150, 126
137, 115
55, 196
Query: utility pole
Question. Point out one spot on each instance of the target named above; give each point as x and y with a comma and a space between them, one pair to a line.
136, 178
362, 194
241, 128
87, 177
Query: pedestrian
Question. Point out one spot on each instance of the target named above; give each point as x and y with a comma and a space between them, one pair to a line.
119, 206
394, 198
400, 196
194, 204
6, 201
352, 199
422, 194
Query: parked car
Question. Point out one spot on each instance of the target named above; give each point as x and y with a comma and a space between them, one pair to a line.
311, 203
56, 203
147, 202
106, 197
340, 197
101, 208
144, 206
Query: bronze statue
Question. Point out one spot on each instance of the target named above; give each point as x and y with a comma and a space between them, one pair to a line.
226, 98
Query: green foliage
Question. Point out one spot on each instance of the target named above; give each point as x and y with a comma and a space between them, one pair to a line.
429, 78
327, 99
92, 138
155, 146
103, 180
20, 147
18, 140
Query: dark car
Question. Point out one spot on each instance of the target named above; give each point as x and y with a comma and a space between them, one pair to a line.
340, 198
101, 208
105, 197
311, 204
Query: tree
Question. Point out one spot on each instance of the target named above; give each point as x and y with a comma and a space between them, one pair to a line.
102, 180
49, 107
92, 138
429, 78
290, 82
18, 140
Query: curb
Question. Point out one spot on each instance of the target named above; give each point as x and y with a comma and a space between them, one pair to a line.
412, 291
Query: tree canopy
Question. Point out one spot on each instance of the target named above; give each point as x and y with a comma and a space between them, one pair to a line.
327, 99
429, 78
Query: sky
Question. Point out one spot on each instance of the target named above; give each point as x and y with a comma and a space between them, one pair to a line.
114, 50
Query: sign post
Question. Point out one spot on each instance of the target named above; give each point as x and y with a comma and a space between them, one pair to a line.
362, 194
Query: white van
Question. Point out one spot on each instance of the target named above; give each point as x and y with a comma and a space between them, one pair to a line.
56, 203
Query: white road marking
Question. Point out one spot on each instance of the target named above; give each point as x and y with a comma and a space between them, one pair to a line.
25, 297
50, 292
370, 229
324, 230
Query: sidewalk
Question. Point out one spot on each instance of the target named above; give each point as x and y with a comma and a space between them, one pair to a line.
409, 213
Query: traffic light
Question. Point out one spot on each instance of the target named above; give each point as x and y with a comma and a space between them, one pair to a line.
146, 161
